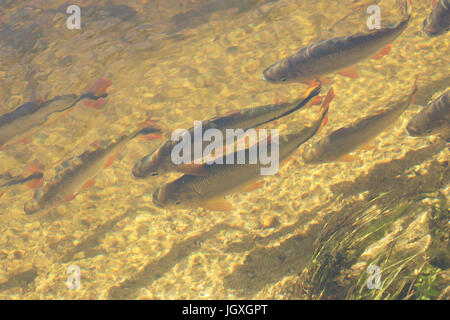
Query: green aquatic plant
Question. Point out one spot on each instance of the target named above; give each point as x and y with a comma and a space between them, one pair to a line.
405, 274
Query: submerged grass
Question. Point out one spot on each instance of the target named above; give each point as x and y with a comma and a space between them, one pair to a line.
405, 274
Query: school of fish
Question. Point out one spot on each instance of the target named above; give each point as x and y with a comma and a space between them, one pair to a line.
205, 183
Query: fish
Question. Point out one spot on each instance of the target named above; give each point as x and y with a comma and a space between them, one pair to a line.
32, 116
438, 22
78, 172
337, 145
336, 54
32, 177
160, 162
190, 192
434, 118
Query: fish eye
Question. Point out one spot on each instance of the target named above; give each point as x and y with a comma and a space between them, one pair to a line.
177, 202
154, 173
283, 79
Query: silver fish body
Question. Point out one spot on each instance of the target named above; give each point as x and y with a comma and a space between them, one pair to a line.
73, 173
331, 55
222, 179
438, 22
435, 117
160, 162
345, 140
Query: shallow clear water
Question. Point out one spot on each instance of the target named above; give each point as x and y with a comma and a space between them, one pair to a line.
310, 231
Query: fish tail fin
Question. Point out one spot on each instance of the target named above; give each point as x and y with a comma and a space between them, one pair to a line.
414, 91
325, 107
147, 128
407, 9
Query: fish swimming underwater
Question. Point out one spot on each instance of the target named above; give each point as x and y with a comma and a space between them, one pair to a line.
438, 22
434, 118
32, 116
32, 177
78, 172
160, 162
335, 54
223, 179
337, 145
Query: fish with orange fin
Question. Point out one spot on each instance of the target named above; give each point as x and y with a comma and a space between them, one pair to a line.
78, 172
222, 179
438, 22
32, 116
335, 55
160, 162
434, 118
32, 177
339, 143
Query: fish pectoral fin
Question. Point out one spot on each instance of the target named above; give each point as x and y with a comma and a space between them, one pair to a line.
288, 159
89, 184
70, 197
99, 87
218, 205
316, 101
349, 72
151, 136
383, 52
347, 158
110, 160
251, 187
193, 169
324, 81
97, 104
34, 184
24, 140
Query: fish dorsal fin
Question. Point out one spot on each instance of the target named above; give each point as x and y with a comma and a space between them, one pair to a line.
251, 187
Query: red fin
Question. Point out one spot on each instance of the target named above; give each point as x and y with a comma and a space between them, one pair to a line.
35, 166
24, 140
347, 158
367, 147
414, 90
70, 197
434, 3
110, 160
95, 144
193, 169
97, 104
151, 136
252, 187
147, 123
276, 100
325, 106
99, 87
349, 72
316, 101
288, 159
34, 184
218, 205
325, 81
2, 193
89, 184
383, 52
